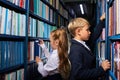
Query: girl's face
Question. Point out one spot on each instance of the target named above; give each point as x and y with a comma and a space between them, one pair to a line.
53, 43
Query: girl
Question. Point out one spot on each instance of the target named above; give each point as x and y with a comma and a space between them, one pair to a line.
57, 67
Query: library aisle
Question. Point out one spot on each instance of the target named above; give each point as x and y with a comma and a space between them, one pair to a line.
24, 22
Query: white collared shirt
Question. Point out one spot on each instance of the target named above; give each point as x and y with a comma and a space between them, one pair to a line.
83, 43
51, 66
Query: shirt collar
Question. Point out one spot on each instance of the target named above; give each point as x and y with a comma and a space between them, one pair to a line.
83, 43
54, 51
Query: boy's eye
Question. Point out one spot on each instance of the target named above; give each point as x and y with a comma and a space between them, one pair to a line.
87, 29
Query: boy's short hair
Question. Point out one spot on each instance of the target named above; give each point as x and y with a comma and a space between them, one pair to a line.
76, 23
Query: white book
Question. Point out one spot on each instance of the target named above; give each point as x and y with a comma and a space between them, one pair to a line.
9, 22
13, 23
32, 50
16, 24
29, 26
0, 16
41, 26
34, 27
39, 29
3, 20
22, 25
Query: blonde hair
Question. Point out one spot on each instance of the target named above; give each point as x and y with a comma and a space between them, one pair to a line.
64, 64
77, 23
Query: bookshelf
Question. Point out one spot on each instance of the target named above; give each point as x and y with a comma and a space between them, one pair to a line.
110, 37
22, 23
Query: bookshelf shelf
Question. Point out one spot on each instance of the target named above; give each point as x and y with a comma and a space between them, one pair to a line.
50, 6
11, 69
55, 8
115, 37
34, 38
40, 18
12, 38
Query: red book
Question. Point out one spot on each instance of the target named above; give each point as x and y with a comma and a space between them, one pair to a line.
31, 5
21, 3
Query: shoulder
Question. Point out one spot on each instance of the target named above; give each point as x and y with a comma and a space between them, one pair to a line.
54, 56
75, 45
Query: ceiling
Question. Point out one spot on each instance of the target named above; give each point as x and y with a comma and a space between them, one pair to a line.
89, 7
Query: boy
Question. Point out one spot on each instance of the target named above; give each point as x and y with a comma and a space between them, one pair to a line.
82, 60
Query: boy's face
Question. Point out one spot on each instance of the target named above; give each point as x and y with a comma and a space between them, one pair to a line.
84, 33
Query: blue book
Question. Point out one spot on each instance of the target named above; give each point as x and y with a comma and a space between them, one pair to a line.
0, 55
44, 11
3, 55
0, 17
45, 34
10, 50
35, 6
18, 24
18, 53
34, 28
9, 22
31, 27
36, 49
13, 54
7, 55
22, 51
6, 19
49, 30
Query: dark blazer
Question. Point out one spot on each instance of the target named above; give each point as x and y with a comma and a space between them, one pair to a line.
95, 34
83, 65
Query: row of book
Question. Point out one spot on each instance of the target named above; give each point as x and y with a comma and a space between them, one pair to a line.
115, 49
43, 10
40, 8
56, 4
11, 54
34, 50
16, 75
114, 56
38, 28
114, 21
114, 18
12, 23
